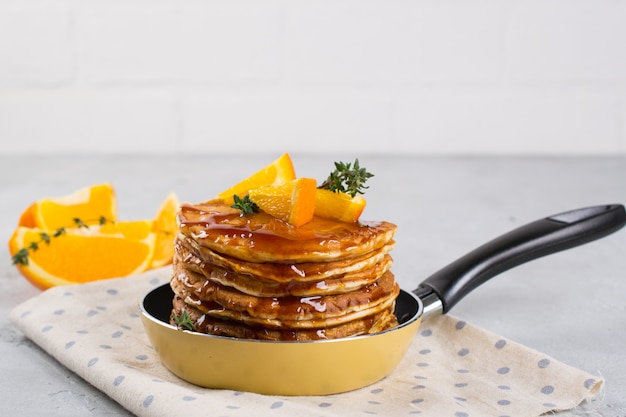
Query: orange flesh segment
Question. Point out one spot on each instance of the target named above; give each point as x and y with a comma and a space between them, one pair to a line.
133, 229
81, 255
87, 204
339, 206
293, 202
165, 229
276, 173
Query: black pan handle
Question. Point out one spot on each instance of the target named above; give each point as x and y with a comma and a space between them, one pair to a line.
534, 240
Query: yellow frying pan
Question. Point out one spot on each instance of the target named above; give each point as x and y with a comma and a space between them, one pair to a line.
339, 365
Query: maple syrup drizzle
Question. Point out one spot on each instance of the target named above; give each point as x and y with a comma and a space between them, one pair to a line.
223, 225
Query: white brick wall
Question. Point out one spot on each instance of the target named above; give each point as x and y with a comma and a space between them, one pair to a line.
411, 76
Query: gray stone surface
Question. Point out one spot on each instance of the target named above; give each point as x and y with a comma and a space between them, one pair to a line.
569, 305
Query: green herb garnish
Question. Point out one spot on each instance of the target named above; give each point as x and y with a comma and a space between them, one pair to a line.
347, 178
184, 321
246, 205
79, 223
21, 257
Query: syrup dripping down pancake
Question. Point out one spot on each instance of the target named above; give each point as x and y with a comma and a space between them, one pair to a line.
284, 279
204, 323
287, 312
263, 238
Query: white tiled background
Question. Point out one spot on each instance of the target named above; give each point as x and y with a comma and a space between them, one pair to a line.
411, 76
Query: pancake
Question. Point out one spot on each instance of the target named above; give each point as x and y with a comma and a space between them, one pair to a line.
204, 323
263, 238
282, 272
258, 277
281, 280
287, 312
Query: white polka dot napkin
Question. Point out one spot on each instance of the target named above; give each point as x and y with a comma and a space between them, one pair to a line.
452, 369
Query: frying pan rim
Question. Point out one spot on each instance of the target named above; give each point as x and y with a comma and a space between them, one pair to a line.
166, 325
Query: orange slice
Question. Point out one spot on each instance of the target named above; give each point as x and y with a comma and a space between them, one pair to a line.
293, 202
88, 204
80, 255
278, 172
165, 229
132, 229
339, 206
27, 218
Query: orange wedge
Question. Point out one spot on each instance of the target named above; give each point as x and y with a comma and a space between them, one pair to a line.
27, 218
278, 172
293, 201
132, 229
88, 204
81, 255
339, 206
165, 229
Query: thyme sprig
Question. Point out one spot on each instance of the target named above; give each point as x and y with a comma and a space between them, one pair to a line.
244, 204
184, 321
45, 238
347, 178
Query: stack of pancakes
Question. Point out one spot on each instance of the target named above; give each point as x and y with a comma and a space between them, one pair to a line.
258, 277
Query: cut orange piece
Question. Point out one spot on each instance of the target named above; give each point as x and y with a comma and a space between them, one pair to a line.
278, 172
88, 204
79, 255
27, 218
338, 205
132, 229
293, 202
165, 229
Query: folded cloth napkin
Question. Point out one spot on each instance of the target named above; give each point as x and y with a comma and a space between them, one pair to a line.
451, 369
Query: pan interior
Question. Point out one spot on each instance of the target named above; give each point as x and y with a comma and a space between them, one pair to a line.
408, 307
158, 303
